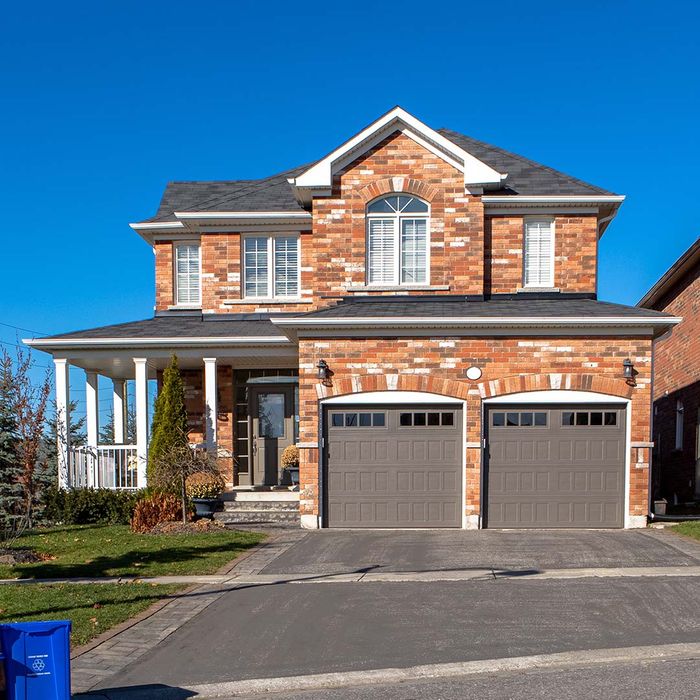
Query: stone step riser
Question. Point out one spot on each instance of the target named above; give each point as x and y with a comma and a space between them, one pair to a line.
261, 516
269, 505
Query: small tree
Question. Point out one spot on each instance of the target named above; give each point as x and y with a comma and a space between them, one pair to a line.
29, 403
169, 427
10, 469
177, 462
107, 431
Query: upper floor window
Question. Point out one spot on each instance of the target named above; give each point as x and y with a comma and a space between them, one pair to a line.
271, 266
539, 252
397, 240
187, 275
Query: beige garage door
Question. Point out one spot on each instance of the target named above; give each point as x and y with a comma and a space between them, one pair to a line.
555, 466
389, 466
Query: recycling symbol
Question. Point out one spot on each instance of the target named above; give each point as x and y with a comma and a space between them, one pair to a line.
38, 665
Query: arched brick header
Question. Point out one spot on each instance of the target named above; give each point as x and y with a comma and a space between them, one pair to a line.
397, 184
554, 381
398, 382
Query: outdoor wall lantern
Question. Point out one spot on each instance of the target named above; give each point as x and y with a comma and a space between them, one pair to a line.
324, 371
628, 369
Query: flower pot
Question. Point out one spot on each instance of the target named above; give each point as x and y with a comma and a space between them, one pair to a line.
293, 475
660, 506
205, 507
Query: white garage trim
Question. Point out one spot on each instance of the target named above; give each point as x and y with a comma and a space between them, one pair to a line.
396, 398
570, 396
392, 397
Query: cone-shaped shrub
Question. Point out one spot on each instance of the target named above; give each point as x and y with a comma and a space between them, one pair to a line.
169, 426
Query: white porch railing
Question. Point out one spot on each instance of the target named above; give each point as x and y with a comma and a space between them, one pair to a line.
104, 467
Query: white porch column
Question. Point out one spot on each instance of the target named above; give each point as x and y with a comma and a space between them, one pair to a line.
141, 395
61, 368
210, 407
92, 423
118, 410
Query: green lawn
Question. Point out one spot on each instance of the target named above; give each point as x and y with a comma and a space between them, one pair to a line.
113, 550
92, 608
689, 529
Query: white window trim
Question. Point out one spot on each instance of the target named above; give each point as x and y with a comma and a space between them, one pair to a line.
271, 296
177, 303
397, 242
531, 220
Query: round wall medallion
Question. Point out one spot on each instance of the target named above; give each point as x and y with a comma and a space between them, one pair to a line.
473, 373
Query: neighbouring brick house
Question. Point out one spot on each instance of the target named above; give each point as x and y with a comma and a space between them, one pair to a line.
676, 385
417, 311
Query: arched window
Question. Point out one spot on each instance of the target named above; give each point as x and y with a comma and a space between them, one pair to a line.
398, 240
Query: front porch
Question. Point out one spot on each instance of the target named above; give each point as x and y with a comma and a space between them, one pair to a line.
241, 397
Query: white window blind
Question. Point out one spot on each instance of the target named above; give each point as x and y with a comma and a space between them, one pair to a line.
397, 245
414, 251
187, 279
382, 253
286, 266
539, 253
271, 266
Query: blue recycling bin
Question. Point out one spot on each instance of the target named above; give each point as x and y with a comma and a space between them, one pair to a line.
36, 660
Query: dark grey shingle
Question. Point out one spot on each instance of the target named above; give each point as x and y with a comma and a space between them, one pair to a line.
218, 326
495, 308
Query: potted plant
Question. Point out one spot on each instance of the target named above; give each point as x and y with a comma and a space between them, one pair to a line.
203, 489
290, 463
660, 506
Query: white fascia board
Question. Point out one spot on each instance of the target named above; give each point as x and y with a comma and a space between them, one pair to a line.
486, 322
520, 200
319, 176
157, 225
47, 343
253, 215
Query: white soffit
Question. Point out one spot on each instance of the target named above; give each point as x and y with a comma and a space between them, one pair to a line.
390, 397
319, 176
556, 396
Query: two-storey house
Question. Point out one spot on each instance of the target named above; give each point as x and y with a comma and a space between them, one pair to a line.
417, 311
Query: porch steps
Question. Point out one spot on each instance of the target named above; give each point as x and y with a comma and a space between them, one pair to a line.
269, 508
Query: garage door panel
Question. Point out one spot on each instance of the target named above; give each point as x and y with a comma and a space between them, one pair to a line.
400, 475
571, 474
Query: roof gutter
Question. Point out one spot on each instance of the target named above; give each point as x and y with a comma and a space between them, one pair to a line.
222, 341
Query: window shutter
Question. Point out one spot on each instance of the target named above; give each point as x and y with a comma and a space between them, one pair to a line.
187, 274
539, 253
286, 266
414, 251
382, 251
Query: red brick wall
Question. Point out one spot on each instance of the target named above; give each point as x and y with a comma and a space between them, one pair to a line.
575, 250
509, 365
677, 378
165, 293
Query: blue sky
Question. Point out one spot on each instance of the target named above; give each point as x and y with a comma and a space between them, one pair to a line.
104, 102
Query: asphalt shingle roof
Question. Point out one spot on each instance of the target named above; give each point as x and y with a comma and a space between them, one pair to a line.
495, 308
525, 177
218, 326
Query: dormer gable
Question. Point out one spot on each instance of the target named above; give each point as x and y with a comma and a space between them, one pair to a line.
317, 180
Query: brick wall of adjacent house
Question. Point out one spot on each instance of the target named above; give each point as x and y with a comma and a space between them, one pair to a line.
575, 251
509, 365
677, 379
467, 254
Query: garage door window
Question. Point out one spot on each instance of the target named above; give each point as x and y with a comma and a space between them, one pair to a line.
432, 419
589, 418
522, 419
358, 420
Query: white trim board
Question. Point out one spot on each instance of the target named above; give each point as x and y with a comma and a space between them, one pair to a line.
390, 397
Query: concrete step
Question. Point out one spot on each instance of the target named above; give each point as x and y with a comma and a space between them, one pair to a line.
280, 517
239, 506
260, 496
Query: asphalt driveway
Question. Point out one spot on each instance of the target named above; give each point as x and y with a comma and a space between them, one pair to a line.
347, 551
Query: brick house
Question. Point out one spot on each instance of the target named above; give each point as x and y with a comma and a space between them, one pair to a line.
676, 385
417, 311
